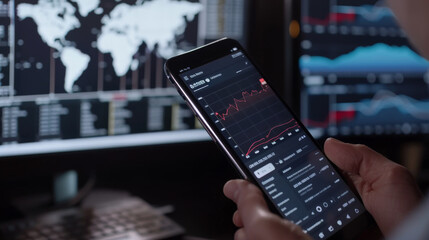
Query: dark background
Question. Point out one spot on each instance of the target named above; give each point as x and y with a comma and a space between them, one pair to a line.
188, 176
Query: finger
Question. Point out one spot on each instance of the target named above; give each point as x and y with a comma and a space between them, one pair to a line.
231, 187
240, 234
274, 228
236, 219
237, 190
357, 159
248, 198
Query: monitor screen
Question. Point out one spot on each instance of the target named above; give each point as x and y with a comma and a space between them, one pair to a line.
88, 74
360, 75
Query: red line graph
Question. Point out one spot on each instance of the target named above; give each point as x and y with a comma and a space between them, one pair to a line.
268, 138
245, 98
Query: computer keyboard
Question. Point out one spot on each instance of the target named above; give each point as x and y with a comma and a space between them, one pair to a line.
125, 219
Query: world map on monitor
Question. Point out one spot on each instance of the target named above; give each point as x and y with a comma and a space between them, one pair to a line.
119, 33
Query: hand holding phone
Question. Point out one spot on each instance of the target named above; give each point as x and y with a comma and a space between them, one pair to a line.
253, 217
265, 141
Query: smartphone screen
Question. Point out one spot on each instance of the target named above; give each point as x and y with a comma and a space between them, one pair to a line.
271, 144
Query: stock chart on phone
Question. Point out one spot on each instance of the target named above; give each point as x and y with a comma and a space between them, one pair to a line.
360, 75
242, 105
254, 118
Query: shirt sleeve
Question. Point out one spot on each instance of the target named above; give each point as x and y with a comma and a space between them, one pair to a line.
416, 226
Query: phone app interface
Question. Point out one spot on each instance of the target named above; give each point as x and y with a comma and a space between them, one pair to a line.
289, 168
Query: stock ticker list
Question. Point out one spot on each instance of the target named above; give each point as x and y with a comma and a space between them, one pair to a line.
68, 69
294, 174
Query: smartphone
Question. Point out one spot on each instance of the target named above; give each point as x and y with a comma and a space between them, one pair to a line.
265, 141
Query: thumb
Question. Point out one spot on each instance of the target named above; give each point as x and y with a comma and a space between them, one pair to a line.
357, 159
255, 219
251, 204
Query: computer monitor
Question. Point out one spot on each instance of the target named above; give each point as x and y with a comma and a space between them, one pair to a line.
360, 76
80, 75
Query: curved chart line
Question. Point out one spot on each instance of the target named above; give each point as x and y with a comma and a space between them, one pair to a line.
268, 138
387, 99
